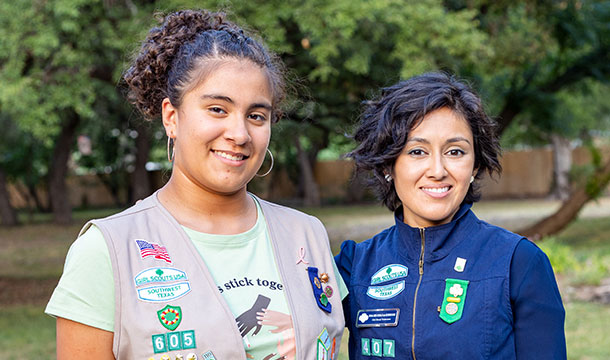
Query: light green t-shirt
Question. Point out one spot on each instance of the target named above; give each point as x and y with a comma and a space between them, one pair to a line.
240, 265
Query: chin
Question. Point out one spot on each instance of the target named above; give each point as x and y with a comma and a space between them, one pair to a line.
439, 219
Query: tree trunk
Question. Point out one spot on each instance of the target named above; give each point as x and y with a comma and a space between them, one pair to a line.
311, 196
37, 201
562, 164
572, 206
140, 182
7, 212
58, 194
506, 116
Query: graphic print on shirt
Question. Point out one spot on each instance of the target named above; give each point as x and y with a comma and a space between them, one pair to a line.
245, 272
257, 316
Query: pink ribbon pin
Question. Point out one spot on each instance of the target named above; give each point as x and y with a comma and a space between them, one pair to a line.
302, 256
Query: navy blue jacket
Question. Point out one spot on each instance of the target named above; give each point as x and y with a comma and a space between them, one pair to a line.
511, 308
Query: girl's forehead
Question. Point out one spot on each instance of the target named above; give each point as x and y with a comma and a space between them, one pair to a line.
235, 80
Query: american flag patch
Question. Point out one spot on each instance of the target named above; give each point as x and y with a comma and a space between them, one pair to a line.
151, 249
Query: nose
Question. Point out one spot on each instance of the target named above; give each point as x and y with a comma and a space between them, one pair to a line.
436, 169
237, 130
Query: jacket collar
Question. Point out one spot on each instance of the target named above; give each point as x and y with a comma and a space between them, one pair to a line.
439, 240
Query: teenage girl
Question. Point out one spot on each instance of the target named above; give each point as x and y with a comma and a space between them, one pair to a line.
202, 269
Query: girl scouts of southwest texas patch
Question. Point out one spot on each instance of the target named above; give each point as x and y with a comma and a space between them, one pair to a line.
453, 300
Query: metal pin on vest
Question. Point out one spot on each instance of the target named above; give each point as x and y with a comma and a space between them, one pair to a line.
318, 292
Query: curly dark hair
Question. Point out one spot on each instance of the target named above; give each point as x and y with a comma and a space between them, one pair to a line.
174, 58
385, 124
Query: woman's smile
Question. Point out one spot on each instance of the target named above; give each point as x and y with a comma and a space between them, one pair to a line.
436, 191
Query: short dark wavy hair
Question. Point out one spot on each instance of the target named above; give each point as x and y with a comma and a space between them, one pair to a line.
385, 123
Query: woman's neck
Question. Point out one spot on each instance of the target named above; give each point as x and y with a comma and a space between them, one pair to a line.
206, 211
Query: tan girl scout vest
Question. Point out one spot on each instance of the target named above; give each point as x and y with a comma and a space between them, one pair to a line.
167, 305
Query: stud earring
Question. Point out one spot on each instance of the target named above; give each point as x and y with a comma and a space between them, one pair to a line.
388, 177
471, 179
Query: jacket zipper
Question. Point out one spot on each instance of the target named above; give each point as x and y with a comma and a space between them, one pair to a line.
422, 233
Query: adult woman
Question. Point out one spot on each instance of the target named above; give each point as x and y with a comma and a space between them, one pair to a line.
441, 282
202, 269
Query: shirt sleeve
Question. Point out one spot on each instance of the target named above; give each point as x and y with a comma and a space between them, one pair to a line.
85, 292
538, 312
342, 287
343, 260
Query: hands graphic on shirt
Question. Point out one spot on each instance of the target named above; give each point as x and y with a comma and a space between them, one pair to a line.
283, 324
248, 319
281, 321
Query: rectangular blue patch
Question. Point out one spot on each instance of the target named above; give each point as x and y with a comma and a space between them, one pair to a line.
377, 318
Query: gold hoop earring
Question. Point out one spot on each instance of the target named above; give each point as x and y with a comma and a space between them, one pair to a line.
271, 167
170, 144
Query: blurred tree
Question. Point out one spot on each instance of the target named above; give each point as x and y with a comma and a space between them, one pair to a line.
8, 215
543, 52
56, 58
60, 72
22, 162
588, 190
577, 114
539, 49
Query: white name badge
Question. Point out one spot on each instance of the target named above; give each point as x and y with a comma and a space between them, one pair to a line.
377, 318
386, 292
164, 293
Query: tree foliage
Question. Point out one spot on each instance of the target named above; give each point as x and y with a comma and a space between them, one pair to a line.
539, 65
59, 60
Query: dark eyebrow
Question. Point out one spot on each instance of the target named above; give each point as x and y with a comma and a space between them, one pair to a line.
217, 97
416, 139
457, 139
449, 141
261, 106
229, 100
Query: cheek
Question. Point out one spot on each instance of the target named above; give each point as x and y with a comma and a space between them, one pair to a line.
261, 136
462, 173
405, 182
406, 172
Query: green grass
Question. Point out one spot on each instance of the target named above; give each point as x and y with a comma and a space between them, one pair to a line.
37, 251
26, 333
341, 215
588, 331
581, 253
585, 234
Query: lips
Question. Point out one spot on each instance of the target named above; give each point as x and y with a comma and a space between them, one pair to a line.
437, 191
230, 155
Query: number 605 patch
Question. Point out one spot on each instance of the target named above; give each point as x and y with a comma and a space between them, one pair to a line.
179, 340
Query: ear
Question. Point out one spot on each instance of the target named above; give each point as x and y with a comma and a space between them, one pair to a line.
169, 116
474, 175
